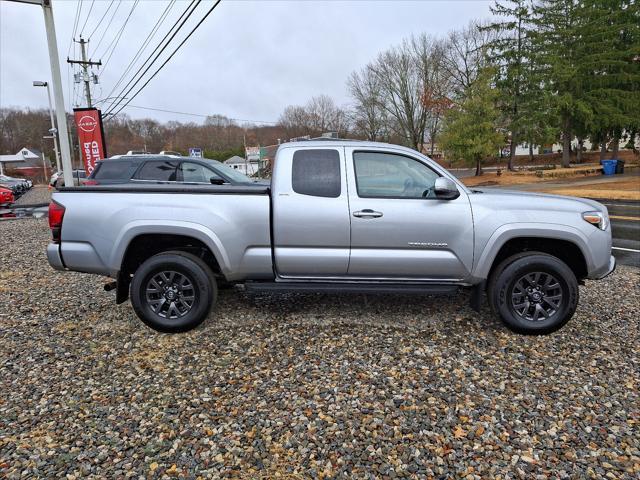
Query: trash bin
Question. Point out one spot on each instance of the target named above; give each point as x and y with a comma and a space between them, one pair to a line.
620, 166
609, 167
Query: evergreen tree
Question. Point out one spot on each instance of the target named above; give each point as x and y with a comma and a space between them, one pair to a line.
556, 48
508, 51
609, 52
470, 131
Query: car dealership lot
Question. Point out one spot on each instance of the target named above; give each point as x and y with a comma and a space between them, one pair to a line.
308, 385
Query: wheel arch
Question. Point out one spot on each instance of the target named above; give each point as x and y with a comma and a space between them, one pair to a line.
564, 243
137, 244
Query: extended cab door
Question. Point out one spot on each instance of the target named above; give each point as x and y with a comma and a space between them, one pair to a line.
399, 229
311, 227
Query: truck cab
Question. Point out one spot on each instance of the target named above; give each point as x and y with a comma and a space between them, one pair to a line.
368, 212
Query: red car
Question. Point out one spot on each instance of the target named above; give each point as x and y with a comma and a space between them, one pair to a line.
6, 196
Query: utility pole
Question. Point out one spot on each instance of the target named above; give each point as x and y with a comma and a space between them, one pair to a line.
85, 64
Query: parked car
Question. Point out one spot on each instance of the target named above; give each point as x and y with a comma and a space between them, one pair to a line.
339, 217
169, 169
54, 178
79, 178
17, 185
6, 196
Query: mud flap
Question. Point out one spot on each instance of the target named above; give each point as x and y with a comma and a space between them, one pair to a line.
122, 289
478, 296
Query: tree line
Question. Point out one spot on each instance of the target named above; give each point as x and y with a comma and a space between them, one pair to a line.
543, 70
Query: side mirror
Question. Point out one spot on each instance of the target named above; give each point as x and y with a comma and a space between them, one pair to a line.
445, 189
216, 181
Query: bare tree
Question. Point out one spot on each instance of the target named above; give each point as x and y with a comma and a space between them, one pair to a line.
369, 116
436, 87
405, 73
319, 115
294, 120
465, 55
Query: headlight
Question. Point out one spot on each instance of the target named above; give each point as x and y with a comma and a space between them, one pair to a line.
597, 219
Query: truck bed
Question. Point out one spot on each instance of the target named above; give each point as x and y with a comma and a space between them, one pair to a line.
100, 222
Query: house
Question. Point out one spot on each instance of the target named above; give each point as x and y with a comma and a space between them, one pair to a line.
27, 160
244, 165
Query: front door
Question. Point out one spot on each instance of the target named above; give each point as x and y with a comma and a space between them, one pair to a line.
399, 229
310, 213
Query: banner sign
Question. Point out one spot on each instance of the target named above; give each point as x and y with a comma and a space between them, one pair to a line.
90, 136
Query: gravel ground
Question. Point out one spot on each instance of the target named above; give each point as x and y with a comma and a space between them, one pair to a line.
37, 194
308, 386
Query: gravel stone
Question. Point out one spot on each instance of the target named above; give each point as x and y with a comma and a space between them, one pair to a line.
36, 195
308, 385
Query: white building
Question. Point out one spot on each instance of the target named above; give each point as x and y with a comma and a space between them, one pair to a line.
248, 166
25, 159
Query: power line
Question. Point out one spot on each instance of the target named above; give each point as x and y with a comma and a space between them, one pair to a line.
154, 30
87, 19
75, 25
188, 11
107, 26
101, 19
118, 36
172, 54
198, 114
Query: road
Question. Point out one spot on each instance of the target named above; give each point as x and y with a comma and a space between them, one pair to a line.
625, 224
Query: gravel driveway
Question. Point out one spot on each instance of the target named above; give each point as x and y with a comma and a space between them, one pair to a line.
37, 194
308, 386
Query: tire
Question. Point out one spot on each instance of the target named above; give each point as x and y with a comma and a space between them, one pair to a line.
193, 292
533, 293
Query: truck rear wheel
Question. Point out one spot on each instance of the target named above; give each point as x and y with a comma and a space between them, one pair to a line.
533, 292
173, 292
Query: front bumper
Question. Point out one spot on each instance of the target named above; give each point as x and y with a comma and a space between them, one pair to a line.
605, 271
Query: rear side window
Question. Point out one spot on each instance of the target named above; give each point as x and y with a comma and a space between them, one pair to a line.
316, 173
159, 171
114, 170
196, 173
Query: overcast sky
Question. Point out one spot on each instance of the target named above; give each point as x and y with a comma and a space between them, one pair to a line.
248, 60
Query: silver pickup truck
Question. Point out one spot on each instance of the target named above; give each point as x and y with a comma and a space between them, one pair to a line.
339, 216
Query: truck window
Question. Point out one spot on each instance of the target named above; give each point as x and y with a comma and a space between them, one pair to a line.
196, 173
386, 175
316, 173
113, 170
159, 171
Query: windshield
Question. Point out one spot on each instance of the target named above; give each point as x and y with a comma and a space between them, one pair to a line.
229, 172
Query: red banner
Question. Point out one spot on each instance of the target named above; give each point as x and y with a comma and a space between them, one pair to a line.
90, 136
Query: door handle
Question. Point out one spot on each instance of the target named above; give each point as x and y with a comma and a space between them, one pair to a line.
367, 213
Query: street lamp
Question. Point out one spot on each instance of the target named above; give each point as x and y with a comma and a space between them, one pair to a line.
53, 130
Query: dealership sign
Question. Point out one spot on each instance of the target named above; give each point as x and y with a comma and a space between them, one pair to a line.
90, 136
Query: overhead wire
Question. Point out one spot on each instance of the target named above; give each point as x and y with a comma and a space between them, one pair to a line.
75, 25
101, 19
170, 56
198, 114
107, 26
137, 77
118, 36
87, 19
144, 45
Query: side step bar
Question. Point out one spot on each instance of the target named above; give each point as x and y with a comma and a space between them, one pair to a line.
344, 287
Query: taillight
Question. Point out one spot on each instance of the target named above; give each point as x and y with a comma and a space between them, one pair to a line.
91, 182
56, 214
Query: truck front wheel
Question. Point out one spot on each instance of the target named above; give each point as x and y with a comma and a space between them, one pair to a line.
173, 292
533, 292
